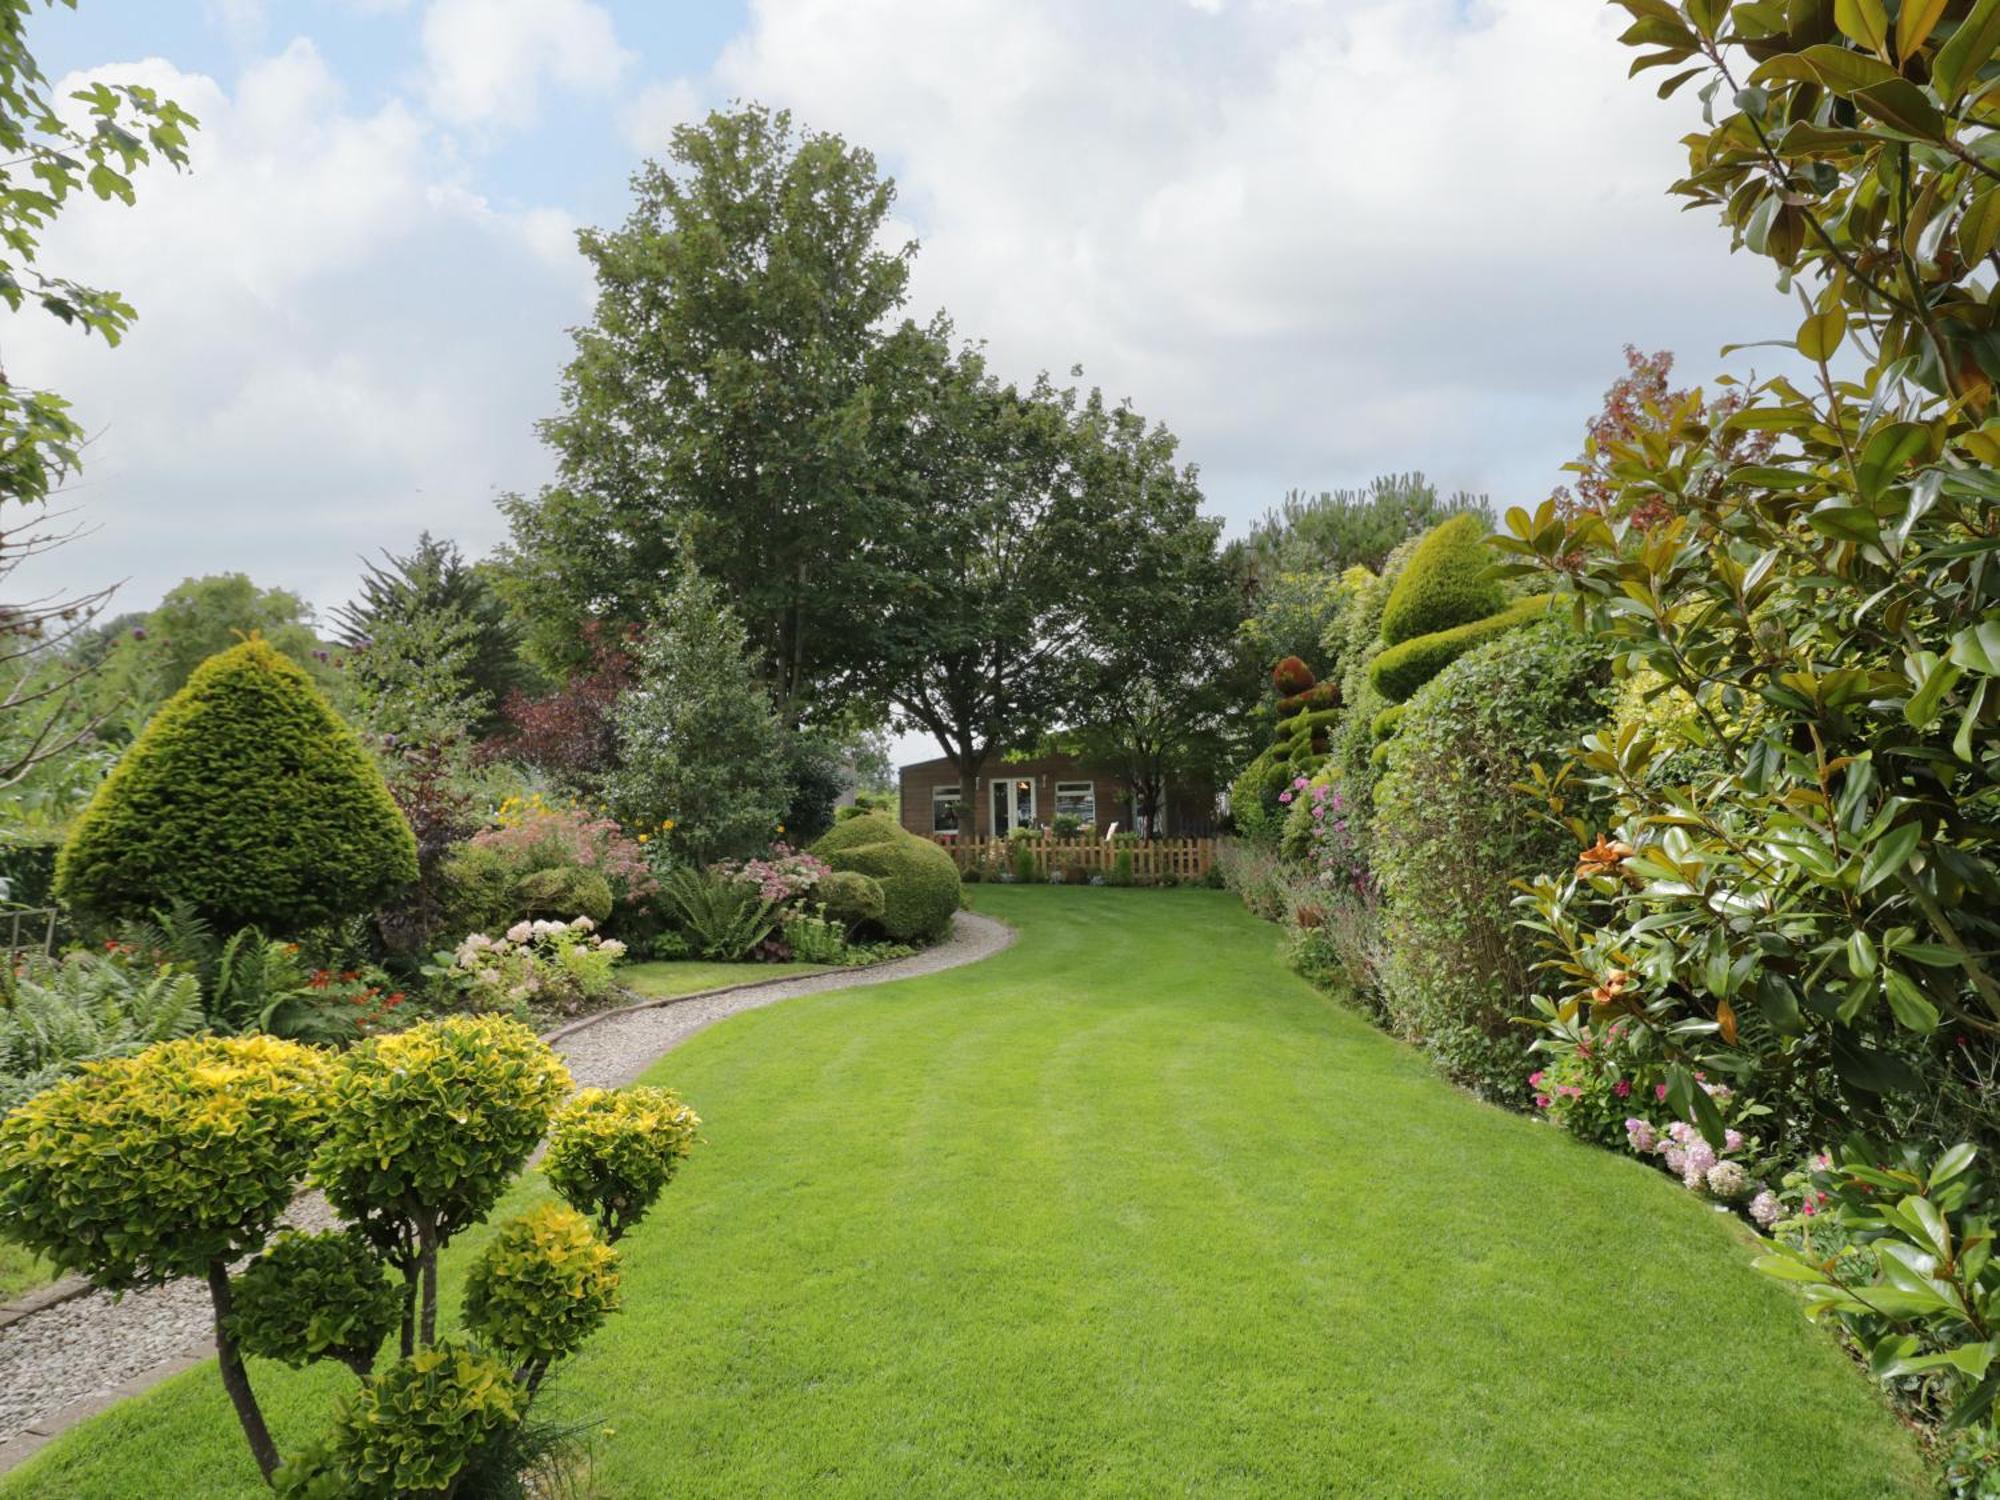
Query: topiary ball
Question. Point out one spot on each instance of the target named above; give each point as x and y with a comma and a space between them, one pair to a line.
147, 1168
1291, 677
1445, 582
920, 885
543, 1284
246, 796
613, 1152
315, 1296
850, 897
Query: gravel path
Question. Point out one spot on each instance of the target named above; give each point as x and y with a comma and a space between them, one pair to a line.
65, 1362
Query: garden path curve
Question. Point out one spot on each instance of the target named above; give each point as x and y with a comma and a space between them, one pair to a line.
65, 1356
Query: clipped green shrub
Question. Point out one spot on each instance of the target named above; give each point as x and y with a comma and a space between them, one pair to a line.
920, 885
1319, 695
424, 1130
564, 892
1452, 833
850, 898
143, 1169
315, 1296
247, 797
613, 1152
1401, 670
1384, 724
411, 1430
542, 1285
1444, 583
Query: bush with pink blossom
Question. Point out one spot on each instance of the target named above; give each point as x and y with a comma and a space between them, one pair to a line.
785, 876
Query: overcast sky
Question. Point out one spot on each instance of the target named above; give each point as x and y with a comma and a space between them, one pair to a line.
1320, 239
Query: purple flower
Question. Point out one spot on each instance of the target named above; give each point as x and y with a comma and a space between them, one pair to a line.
1284, 796
1299, 783
1695, 1164
1640, 1135
1732, 1140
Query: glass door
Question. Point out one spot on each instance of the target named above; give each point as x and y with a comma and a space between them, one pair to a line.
1013, 804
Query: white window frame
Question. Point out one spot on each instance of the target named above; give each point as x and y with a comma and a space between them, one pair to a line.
1069, 788
956, 797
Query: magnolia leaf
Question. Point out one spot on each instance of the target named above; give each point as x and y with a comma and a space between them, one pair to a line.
1890, 854
1912, 1007
1967, 51
1902, 106
1865, 21
1821, 334
1915, 24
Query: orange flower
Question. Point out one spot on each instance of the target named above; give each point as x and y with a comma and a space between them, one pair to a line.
1603, 857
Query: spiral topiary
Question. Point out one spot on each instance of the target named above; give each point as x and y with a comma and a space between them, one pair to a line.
1445, 583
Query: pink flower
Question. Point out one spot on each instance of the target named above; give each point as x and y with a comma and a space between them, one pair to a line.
1765, 1209
1299, 784
1284, 796
1659, 1091
1535, 1079
1732, 1140
1541, 1101
1622, 1088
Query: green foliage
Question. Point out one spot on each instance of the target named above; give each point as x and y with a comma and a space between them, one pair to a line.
698, 743
1402, 669
200, 618
246, 797
1329, 534
1445, 583
315, 1296
1913, 1281
1384, 724
52, 150
613, 1152
57, 1015
920, 885
1451, 834
432, 646
425, 1127
541, 1286
246, 982
563, 892
678, 426
815, 940
850, 898
721, 918
162, 1165
411, 1430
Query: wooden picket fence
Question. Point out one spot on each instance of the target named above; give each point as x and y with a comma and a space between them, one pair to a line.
1079, 859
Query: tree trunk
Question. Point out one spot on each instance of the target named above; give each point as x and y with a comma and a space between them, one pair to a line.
235, 1379
427, 1261
968, 803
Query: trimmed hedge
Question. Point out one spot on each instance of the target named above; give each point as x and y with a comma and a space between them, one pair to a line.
851, 898
1444, 584
920, 886
1384, 724
1401, 670
246, 796
1452, 834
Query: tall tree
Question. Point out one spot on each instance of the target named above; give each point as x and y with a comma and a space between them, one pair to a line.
722, 404
429, 628
1027, 517
50, 151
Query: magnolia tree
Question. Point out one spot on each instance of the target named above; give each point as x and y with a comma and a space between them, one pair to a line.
186, 1156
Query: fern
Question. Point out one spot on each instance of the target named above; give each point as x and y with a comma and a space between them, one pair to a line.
724, 919
59, 1015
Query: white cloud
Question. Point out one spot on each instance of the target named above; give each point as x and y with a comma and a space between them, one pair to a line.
485, 60
649, 120
1320, 242
338, 343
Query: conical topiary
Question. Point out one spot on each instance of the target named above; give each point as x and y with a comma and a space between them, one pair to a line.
1445, 583
246, 796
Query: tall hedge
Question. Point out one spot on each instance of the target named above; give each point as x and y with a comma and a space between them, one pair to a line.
247, 796
1444, 583
1451, 834
1400, 670
920, 885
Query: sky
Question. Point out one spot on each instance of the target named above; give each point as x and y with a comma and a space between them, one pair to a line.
1320, 239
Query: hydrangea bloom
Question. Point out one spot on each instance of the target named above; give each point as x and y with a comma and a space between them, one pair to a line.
1640, 1133
1766, 1209
1699, 1158
1728, 1181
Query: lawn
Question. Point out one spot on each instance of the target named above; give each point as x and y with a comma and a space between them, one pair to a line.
687, 976
1129, 1210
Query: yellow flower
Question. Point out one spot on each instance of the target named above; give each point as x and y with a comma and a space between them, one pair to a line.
643, 837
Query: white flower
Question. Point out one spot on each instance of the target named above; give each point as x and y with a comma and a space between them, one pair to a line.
520, 932
1766, 1209
582, 924
1727, 1180
611, 948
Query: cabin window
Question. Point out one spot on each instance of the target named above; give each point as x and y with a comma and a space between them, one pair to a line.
1077, 799
944, 809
